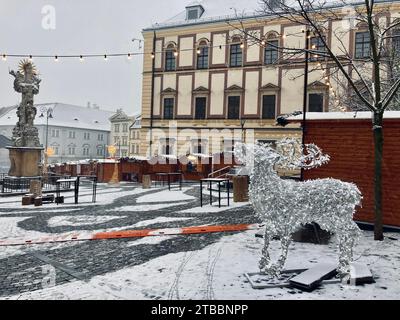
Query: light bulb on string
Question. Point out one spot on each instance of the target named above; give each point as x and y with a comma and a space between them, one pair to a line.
129, 56
4, 57
81, 58
198, 51
56, 58
175, 53
153, 55
105, 57
30, 58
242, 45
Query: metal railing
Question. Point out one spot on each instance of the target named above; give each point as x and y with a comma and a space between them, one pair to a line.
22, 184
212, 174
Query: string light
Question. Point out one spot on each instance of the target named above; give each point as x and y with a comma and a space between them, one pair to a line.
105, 57
242, 45
56, 58
81, 58
198, 51
129, 56
153, 55
175, 53
263, 42
30, 58
4, 57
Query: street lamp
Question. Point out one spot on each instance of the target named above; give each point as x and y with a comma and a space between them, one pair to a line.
305, 91
48, 113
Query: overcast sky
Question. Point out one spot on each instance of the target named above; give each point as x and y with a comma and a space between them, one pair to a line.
82, 26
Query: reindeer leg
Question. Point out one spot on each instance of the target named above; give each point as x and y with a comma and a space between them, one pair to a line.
265, 258
285, 243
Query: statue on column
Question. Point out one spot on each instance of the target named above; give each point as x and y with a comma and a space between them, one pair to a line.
25, 153
27, 83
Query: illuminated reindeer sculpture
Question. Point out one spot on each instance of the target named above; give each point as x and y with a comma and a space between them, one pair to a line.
285, 205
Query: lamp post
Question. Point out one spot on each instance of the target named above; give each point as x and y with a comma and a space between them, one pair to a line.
307, 47
48, 113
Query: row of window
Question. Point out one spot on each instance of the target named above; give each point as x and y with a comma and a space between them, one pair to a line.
200, 146
135, 135
315, 104
71, 150
271, 51
134, 149
55, 133
124, 127
123, 141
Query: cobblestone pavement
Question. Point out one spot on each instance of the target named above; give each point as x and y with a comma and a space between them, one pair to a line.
26, 268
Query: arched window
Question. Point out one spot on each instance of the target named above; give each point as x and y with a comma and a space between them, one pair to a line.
170, 57
85, 149
271, 49
202, 55
236, 52
362, 46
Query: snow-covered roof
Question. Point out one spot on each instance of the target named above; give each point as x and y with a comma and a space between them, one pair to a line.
222, 10
343, 115
65, 115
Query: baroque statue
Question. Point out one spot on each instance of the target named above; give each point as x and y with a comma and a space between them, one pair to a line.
27, 83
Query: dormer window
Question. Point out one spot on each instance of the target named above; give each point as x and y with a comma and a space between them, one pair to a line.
194, 12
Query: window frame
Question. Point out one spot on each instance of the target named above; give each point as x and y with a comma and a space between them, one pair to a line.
364, 44
309, 100
171, 107
262, 105
238, 107
195, 108
233, 55
202, 57
269, 53
319, 46
170, 58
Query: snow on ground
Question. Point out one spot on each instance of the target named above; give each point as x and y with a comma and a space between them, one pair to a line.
149, 240
39, 210
216, 272
166, 196
146, 207
214, 208
159, 220
79, 220
104, 197
9, 228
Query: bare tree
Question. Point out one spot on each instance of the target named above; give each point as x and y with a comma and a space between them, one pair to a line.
366, 79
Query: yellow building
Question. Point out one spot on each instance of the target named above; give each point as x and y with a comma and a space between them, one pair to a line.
206, 86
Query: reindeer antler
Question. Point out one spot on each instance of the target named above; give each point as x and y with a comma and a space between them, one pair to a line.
313, 157
296, 156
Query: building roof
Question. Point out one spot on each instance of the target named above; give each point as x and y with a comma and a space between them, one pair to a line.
343, 115
223, 10
65, 115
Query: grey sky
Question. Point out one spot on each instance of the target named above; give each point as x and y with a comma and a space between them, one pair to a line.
82, 26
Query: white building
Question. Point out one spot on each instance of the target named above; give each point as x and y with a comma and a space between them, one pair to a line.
73, 132
134, 136
120, 124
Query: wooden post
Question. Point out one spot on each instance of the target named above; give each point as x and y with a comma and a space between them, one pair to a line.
240, 189
146, 184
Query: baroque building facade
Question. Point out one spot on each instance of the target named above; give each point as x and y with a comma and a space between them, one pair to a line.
205, 85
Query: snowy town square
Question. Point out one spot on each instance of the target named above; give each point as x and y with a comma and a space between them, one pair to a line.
199, 157
199, 266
